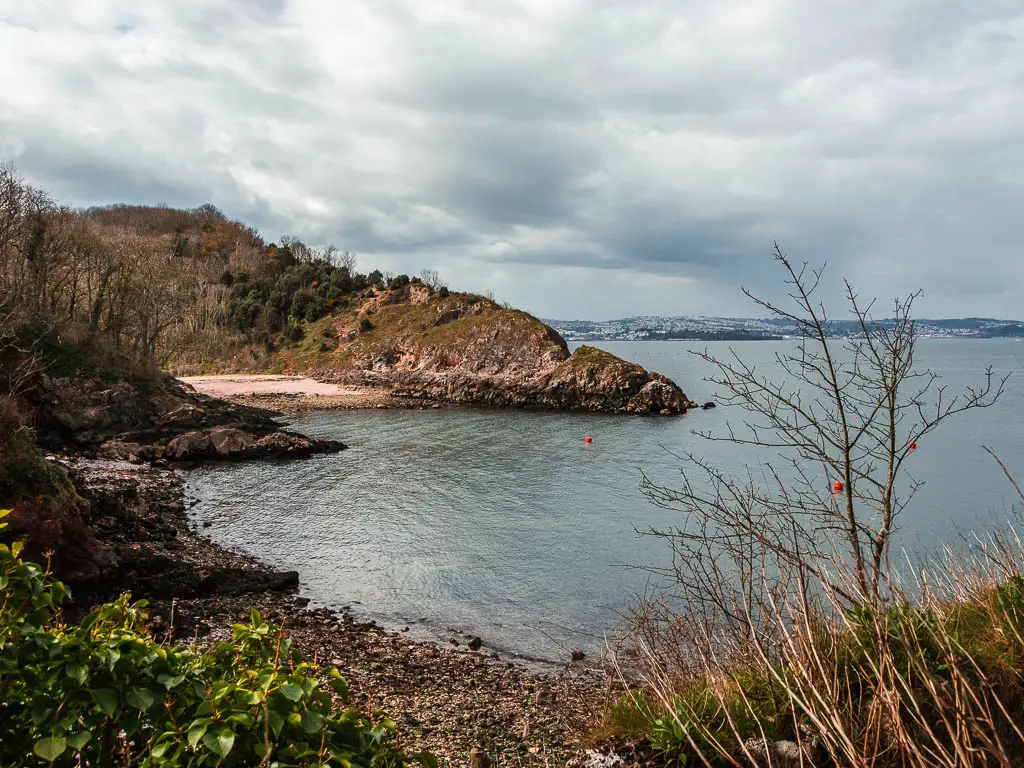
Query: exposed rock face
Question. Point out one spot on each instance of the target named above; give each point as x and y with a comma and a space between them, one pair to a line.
467, 349
46, 512
55, 531
136, 420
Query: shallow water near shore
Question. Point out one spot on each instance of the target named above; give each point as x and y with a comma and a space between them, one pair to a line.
507, 525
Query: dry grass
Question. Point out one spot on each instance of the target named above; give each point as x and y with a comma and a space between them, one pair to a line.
933, 675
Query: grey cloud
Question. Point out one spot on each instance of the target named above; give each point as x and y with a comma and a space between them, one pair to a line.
592, 138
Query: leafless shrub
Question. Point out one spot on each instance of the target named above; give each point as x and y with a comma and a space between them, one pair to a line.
789, 624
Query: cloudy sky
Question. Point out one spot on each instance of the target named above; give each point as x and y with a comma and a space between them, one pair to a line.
579, 158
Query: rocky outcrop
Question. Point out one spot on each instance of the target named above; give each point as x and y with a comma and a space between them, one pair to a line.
467, 349
139, 516
162, 419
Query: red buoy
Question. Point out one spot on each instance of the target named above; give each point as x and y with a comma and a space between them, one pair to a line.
837, 486
589, 440
913, 446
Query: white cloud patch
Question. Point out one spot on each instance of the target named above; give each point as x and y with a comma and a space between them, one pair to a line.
577, 157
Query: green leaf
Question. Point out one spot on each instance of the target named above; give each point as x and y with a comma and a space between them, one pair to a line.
255, 618
41, 712
76, 672
140, 698
196, 733
78, 740
161, 749
276, 720
169, 681
50, 748
106, 700
312, 722
226, 740
340, 687
220, 743
243, 719
291, 692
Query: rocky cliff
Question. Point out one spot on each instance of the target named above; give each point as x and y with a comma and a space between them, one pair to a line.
463, 348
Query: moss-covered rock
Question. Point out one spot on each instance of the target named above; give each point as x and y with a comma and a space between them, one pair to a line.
46, 512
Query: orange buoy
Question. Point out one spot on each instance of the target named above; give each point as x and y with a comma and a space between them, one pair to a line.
837, 486
589, 440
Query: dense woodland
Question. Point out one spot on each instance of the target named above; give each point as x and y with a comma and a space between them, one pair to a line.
143, 286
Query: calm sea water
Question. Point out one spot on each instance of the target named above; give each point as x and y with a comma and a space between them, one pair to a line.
507, 525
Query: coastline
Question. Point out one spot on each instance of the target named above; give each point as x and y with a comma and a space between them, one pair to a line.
443, 699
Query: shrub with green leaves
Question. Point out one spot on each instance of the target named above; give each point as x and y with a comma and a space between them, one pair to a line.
105, 693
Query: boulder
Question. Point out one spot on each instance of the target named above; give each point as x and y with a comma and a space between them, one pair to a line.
777, 754
191, 445
230, 442
121, 450
189, 413
284, 444
55, 531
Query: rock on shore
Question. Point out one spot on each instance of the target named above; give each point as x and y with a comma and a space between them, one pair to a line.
149, 420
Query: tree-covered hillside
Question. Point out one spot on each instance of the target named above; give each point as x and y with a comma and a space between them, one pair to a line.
151, 286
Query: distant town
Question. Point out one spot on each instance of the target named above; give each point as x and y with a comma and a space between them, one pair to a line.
652, 328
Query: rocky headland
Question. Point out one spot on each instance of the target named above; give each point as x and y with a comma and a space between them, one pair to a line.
419, 345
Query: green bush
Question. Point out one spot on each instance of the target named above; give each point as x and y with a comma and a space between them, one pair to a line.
706, 721
104, 693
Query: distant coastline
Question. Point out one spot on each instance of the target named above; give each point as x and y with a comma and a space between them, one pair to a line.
705, 328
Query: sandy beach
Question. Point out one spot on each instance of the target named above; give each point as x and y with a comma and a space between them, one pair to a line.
293, 394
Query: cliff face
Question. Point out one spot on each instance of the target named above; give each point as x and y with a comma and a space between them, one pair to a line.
467, 349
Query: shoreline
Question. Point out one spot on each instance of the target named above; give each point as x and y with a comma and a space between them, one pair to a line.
444, 699
298, 394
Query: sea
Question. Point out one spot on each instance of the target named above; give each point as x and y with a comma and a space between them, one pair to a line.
509, 525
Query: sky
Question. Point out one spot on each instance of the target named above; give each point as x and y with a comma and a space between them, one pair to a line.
578, 158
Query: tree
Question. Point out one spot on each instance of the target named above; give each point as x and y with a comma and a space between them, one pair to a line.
432, 279
848, 411
348, 260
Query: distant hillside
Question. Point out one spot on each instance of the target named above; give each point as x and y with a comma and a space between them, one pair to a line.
756, 329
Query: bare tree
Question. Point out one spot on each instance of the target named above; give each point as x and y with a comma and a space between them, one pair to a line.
432, 279
838, 427
349, 261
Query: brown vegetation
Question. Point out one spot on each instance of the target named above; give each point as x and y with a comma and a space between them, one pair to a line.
793, 638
